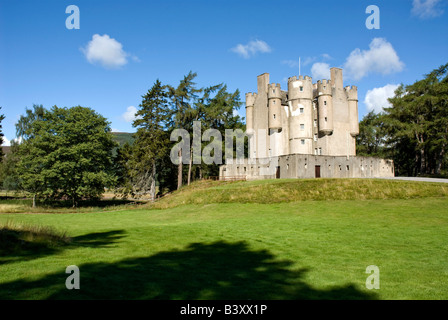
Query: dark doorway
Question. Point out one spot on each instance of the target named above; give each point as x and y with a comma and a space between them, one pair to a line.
317, 171
277, 173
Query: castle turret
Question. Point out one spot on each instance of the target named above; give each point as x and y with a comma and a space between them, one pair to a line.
300, 93
250, 102
275, 106
325, 107
352, 98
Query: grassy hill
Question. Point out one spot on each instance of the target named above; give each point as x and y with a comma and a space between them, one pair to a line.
277, 239
123, 137
292, 190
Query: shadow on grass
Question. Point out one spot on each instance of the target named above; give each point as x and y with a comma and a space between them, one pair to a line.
18, 245
216, 271
98, 239
103, 203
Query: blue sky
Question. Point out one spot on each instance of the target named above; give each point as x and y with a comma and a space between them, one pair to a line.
122, 47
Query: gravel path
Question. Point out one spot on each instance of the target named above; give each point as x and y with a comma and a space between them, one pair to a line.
419, 179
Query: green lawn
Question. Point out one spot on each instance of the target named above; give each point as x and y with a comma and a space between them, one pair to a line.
311, 249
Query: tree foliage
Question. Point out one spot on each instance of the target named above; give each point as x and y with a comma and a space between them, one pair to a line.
151, 140
2, 117
163, 109
66, 154
414, 129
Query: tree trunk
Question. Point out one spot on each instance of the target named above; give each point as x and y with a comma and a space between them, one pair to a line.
179, 171
439, 161
34, 201
422, 161
190, 164
153, 182
421, 147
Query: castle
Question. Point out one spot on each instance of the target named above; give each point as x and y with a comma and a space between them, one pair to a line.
308, 131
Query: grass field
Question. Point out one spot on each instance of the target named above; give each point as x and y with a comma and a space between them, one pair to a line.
219, 240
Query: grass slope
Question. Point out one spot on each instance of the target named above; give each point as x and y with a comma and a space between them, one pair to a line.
291, 190
236, 248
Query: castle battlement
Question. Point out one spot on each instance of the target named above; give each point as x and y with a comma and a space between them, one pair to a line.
351, 92
250, 99
274, 91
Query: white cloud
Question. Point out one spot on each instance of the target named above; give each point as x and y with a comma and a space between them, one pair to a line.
252, 48
320, 70
376, 99
115, 130
106, 51
129, 115
291, 63
425, 9
326, 56
380, 58
6, 142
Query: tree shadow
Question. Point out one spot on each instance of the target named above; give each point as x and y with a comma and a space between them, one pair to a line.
217, 271
98, 239
18, 245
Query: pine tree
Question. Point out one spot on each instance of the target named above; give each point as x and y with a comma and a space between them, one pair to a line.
151, 140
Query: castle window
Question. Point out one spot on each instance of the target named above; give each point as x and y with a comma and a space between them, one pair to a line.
315, 123
301, 89
348, 168
287, 166
273, 102
301, 110
302, 126
325, 87
320, 151
315, 137
325, 119
325, 103
315, 151
302, 141
274, 116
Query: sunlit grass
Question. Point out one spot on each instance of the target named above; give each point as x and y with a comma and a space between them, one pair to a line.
234, 244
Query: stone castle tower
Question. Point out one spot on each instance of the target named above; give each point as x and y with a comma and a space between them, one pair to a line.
315, 119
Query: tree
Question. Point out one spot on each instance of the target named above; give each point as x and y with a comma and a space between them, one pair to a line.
25, 121
419, 118
66, 154
182, 99
151, 140
414, 130
9, 177
2, 117
217, 110
371, 140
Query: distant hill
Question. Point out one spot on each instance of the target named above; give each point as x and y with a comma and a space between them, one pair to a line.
123, 137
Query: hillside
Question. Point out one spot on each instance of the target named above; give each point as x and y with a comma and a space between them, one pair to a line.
123, 137
292, 190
